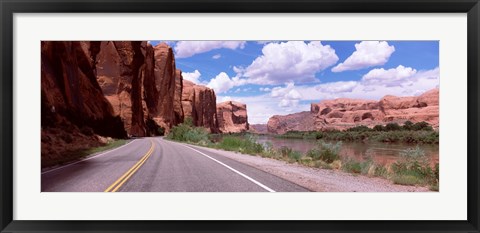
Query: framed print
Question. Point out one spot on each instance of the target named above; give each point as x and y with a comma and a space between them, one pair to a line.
260, 116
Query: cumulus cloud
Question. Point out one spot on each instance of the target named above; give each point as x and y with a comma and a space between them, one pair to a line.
288, 95
289, 61
185, 49
266, 89
390, 77
367, 54
216, 56
193, 76
222, 83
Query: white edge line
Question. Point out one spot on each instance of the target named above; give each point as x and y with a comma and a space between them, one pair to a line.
70, 164
245, 176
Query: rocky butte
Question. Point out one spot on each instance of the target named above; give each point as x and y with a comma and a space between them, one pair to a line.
343, 113
232, 117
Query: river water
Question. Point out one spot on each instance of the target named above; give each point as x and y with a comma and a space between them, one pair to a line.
381, 153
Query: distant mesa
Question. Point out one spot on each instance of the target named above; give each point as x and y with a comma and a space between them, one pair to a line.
343, 113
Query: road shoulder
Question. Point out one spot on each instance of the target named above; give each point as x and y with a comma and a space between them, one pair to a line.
316, 179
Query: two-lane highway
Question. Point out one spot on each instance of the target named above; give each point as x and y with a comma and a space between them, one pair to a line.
158, 165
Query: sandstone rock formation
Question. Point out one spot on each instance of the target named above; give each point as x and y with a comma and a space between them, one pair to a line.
177, 99
70, 91
199, 104
345, 113
142, 84
73, 107
302, 121
165, 84
119, 75
232, 117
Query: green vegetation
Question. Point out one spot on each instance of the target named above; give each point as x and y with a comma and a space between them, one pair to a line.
245, 144
419, 132
79, 154
186, 132
412, 169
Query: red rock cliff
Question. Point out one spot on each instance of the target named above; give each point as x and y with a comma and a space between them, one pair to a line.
232, 117
70, 91
73, 107
199, 104
119, 75
345, 113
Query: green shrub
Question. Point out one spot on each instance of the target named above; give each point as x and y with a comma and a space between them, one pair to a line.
327, 152
407, 125
186, 133
352, 166
360, 128
246, 145
379, 128
392, 127
422, 126
414, 168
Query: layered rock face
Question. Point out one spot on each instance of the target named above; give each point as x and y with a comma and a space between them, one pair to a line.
70, 91
142, 84
199, 104
232, 117
341, 114
119, 75
73, 107
165, 84
177, 99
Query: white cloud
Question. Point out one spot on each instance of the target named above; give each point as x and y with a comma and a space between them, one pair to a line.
222, 83
289, 61
193, 76
266, 89
367, 54
390, 77
288, 95
223, 99
189, 48
216, 56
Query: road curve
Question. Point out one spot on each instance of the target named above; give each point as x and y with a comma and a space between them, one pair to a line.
158, 165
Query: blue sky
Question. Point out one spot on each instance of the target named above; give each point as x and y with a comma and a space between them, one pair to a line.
283, 77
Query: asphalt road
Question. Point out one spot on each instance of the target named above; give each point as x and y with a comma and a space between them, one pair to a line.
159, 165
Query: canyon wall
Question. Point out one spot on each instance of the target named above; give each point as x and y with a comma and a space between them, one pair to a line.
232, 117
199, 104
122, 88
70, 92
343, 113
73, 107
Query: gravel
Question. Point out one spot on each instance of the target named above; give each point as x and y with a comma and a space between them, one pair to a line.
317, 179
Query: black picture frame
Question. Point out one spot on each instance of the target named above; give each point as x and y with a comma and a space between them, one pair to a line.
9, 7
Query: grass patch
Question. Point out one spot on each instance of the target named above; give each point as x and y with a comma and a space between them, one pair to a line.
79, 154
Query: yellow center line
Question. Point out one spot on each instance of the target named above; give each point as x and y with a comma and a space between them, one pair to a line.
118, 183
